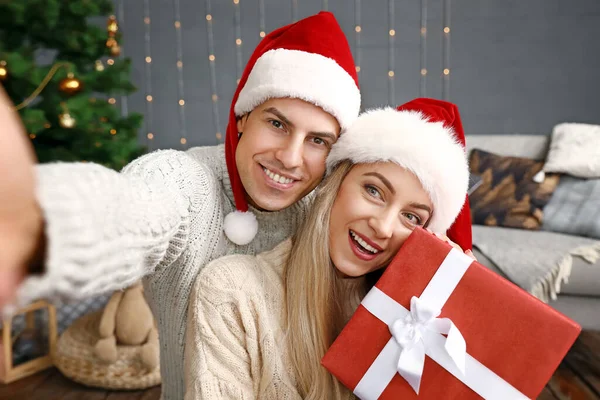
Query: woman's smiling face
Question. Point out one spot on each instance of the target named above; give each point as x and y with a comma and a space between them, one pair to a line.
376, 209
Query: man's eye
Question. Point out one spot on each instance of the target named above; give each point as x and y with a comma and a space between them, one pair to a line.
319, 141
276, 124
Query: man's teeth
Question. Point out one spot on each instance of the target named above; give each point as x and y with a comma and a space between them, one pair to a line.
276, 177
363, 243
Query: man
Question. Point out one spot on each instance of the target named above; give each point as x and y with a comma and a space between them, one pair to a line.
86, 229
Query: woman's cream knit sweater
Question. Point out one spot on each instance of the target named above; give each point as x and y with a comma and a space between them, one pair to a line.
235, 343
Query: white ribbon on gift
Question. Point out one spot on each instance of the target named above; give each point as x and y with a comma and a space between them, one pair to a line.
418, 332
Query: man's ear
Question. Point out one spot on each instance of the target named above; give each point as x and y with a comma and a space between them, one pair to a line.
241, 122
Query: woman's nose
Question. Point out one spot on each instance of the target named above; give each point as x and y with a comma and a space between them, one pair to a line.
384, 225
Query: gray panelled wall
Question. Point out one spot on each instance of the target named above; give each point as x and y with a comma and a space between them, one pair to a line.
513, 66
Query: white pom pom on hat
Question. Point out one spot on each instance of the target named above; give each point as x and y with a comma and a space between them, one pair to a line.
240, 227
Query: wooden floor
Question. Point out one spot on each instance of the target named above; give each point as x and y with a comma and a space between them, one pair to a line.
577, 378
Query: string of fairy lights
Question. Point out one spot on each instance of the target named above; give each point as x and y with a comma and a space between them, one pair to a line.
238, 39
179, 64
391, 54
446, 50
261, 19
120, 14
423, 50
294, 10
357, 31
148, 118
212, 71
262, 31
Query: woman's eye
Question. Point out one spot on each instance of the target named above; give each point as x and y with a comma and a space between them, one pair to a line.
414, 219
373, 191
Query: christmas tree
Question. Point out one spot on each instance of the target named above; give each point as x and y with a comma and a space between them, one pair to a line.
68, 106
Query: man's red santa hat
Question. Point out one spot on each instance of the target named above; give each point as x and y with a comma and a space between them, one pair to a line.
426, 137
308, 60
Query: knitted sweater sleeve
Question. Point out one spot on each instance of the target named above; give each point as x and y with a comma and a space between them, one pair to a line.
105, 229
219, 339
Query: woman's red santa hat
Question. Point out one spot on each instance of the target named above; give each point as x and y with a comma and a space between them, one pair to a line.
308, 60
426, 137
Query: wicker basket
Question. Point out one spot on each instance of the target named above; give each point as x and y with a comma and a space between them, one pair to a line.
75, 358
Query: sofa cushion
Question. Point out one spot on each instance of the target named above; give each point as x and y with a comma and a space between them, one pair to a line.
575, 150
574, 208
508, 195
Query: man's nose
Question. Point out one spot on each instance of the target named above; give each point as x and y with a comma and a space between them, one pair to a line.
291, 152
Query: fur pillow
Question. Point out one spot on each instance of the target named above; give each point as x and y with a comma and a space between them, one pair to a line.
575, 150
508, 195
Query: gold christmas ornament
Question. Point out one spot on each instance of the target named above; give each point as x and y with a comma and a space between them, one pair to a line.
111, 42
70, 85
111, 26
66, 120
115, 50
3, 71
99, 66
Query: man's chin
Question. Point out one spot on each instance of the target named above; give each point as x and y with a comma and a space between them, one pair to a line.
271, 205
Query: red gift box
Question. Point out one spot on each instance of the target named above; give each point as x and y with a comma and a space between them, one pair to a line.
514, 342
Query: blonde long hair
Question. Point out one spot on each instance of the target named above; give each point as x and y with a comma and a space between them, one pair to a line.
318, 301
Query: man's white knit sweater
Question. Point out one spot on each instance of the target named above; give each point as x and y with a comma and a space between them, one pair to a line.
161, 218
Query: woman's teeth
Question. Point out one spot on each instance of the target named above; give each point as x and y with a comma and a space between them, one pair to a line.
364, 244
276, 177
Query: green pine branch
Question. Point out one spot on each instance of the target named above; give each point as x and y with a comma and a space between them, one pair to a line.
101, 134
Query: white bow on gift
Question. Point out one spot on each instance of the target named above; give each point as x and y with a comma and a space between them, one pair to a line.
409, 333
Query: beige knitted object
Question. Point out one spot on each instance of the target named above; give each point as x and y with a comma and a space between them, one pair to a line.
75, 358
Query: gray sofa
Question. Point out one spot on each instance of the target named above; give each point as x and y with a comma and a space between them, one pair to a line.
579, 299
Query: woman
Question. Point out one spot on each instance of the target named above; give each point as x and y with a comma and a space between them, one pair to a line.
258, 326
